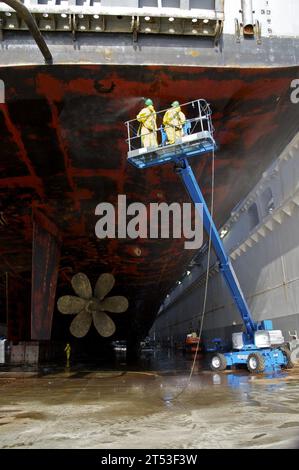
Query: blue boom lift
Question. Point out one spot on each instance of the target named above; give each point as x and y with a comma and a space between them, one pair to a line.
260, 347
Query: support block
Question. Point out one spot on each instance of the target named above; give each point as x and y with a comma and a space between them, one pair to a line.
45, 263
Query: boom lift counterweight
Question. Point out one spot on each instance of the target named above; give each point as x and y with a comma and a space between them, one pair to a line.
260, 347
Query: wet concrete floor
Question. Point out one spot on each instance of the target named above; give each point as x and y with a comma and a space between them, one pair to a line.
131, 408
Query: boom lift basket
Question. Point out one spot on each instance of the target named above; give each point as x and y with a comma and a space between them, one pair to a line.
197, 139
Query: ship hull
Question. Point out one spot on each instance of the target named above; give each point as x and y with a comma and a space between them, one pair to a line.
63, 152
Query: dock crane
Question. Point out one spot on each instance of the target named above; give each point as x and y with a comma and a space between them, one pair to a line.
260, 347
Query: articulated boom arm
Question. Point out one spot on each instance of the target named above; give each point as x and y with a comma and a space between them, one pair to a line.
198, 141
188, 178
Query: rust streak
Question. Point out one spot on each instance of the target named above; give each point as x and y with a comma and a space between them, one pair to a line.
17, 137
18, 181
63, 148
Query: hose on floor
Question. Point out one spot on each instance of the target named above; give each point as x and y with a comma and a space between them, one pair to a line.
201, 321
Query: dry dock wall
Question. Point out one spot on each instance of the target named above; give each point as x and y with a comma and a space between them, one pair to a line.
263, 241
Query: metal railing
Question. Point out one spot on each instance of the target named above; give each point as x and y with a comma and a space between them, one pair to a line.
198, 119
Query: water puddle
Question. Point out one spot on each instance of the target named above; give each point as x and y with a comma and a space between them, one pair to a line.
149, 407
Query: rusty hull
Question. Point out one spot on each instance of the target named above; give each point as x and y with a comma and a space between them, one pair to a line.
63, 151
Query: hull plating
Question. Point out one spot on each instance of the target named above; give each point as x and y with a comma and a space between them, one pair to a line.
63, 151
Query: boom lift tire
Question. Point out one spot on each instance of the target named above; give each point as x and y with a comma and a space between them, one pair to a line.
287, 354
218, 362
255, 363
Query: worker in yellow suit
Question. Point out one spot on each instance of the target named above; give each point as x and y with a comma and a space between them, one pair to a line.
148, 125
173, 121
67, 350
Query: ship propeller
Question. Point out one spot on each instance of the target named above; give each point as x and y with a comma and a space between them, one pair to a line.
90, 308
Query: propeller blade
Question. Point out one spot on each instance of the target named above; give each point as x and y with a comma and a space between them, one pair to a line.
69, 304
116, 304
104, 285
81, 286
104, 324
81, 324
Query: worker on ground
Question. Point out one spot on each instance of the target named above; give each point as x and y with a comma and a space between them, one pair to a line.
173, 121
67, 350
148, 125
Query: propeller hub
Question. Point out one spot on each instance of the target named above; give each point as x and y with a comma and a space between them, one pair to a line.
92, 305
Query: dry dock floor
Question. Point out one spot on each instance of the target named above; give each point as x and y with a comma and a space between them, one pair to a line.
106, 409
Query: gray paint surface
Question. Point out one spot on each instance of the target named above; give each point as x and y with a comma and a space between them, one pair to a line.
20, 49
268, 271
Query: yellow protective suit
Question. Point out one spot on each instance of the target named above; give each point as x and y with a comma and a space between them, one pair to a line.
173, 122
148, 120
67, 350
